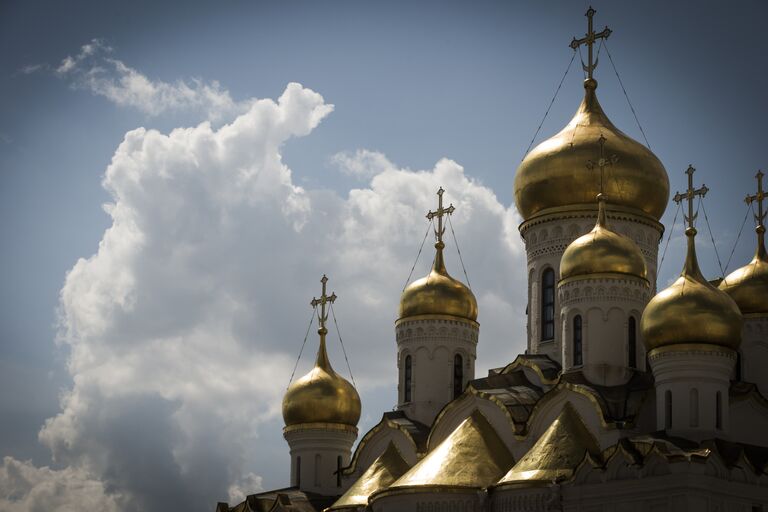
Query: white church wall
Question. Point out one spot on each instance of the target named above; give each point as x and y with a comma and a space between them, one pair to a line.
754, 351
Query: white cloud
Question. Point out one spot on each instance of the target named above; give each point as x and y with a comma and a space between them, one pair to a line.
182, 329
363, 163
94, 70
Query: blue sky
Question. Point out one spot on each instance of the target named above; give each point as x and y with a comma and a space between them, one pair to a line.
414, 83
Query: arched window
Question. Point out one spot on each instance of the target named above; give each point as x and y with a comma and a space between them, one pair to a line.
407, 379
667, 409
548, 305
338, 471
719, 411
632, 341
738, 365
318, 461
577, 339
298, 471
694, 411
458, 375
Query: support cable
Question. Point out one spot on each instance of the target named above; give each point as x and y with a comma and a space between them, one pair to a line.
408, 279
632, 108
338, 332
727, 263
459, 251
711, 236
669, 237
311, 321
550, 106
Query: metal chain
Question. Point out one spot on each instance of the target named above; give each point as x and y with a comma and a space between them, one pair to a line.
669, 237
338, 332
627, 96
311, 321
727, 263
459, 251
408, 279
550, 106
711, 236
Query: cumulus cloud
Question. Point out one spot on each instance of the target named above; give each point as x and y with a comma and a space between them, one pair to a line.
183, 327
362, 163
95, 70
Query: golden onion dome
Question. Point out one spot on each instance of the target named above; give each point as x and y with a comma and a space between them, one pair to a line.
602, 251
748, 286
438, 294
691, 310
322, 395
554, 175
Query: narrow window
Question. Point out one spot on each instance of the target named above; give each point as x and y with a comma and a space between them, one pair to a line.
298, 471
407, 379
577, 339
338, 471
458, 375
548, 305
738, 365
632, 340
668, 409
694, 419
719, 411
317, 470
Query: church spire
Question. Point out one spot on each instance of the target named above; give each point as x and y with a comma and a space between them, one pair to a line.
439, 265
322, 317
691, 267
760, 216
589, 39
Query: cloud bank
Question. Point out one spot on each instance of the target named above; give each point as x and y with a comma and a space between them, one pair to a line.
182, 329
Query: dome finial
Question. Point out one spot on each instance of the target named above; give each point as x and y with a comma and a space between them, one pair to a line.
589, 39
439, 264
760, 217
322, 316
691, 267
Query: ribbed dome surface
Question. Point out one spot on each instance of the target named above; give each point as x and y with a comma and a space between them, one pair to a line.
748, 286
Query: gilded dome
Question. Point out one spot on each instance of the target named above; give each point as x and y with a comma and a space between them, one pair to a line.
438, 294
748, 286
691, 311
602, 251
554, 173
321, 396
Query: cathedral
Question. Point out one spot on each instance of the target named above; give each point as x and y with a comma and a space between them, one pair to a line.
626, 399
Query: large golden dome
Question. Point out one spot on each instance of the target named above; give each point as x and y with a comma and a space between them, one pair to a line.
691, 311
748, 286
602, 251
321, 396
554, 173
438, 294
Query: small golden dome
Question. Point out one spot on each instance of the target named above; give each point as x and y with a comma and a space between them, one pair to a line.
691, 310
438, 294
602, 251
322, 395
554, 174
748, 286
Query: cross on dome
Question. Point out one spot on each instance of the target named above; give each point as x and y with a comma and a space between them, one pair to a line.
690, 195
324, 299
603, 161
759, 197
589, 39
440, 230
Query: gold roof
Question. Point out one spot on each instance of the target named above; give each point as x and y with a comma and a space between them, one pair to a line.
438, 293
557, 452
472, 456
322, 395
387, 468
554, 174
748, 286
691, 310
602, 251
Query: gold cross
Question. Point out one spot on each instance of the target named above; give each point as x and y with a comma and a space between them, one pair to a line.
602, 162
440, 230
589, 39
324, 299
690, 194
760, 217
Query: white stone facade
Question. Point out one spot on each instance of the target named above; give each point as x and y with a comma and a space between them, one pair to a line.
318, 452
546, 237
753, 357
431, 344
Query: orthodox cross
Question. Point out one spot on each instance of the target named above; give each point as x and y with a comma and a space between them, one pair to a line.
690, 195
760, 217
603, 161
439, 214
324, 299
589, 39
